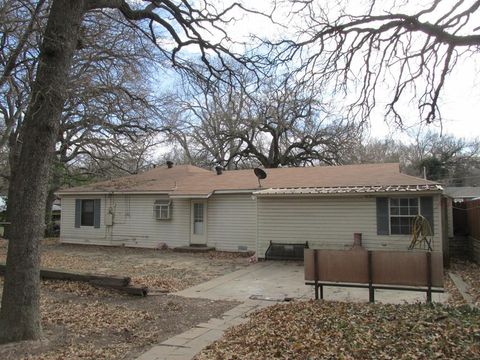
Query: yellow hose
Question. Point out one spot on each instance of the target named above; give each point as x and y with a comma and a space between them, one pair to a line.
421, 234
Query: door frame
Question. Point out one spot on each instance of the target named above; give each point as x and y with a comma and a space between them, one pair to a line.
196, 239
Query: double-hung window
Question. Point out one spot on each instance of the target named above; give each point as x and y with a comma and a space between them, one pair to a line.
402, 215
395, 215
161, 209
87, 212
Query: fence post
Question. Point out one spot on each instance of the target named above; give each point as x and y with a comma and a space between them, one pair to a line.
371, 290
429, 277
315, 272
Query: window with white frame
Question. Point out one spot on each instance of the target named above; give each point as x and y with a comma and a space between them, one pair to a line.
161, 209
402, 214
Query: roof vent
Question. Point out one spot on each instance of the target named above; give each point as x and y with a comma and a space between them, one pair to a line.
169, 164
219, 170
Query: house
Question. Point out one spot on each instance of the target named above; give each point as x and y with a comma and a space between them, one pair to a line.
235, 211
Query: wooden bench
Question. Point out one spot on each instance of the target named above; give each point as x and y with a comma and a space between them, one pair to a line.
385, 270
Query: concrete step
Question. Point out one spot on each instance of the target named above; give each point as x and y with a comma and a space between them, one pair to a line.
194, 249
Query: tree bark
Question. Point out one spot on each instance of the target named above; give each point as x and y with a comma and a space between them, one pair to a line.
54, 184
20, 311
15, 145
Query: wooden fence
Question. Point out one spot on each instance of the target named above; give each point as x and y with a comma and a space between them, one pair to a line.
395, 270
473, 216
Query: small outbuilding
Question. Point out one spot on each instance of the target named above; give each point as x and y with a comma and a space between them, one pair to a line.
235, 211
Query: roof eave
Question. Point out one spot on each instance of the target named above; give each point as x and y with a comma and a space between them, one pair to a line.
112, 192
351, 194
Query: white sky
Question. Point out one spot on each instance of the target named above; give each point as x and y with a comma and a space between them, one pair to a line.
460, 101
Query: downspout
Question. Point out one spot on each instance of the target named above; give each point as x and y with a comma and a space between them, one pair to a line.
256, 218
105, 216
113, 215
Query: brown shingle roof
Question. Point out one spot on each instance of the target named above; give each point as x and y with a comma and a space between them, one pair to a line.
190, 180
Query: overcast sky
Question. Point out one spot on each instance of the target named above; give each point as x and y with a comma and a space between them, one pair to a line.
460, 101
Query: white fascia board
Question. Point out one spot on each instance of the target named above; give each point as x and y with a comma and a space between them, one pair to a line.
191, 196
60, 194
247, 191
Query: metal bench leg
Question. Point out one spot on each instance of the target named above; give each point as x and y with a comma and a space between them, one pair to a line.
371, 294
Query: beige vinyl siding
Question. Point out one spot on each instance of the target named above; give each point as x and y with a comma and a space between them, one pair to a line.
84, 234
134, 223
232, 222
329, 223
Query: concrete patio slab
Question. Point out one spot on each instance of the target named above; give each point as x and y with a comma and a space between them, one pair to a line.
277, 280
264, 280
267, 279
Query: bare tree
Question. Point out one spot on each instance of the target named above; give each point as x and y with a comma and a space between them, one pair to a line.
182, 23
374, 151
280, 123
445, 158
202, 120
412, 48
22, 20
109, 102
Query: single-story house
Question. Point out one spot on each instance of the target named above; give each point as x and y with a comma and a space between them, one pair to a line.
235, 211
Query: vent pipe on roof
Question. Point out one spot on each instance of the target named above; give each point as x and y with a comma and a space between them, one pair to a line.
169, 164
219, 170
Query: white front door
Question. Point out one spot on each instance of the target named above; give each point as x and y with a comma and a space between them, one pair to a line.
199, 223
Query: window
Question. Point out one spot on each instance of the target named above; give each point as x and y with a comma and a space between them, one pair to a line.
88, 213
402, 215
395, 215
161, 209
198, 218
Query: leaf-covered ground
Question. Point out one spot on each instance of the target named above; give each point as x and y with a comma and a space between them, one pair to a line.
157, 269
336, 330
83, 322
470, 273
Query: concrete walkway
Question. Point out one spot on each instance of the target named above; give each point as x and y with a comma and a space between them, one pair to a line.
462, 287
257, 286
188, 344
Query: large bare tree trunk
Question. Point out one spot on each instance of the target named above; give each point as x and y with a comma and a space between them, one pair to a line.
15, 145
20, 313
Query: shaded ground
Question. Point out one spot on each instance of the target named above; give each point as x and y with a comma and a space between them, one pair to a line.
80, 321
331, 330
